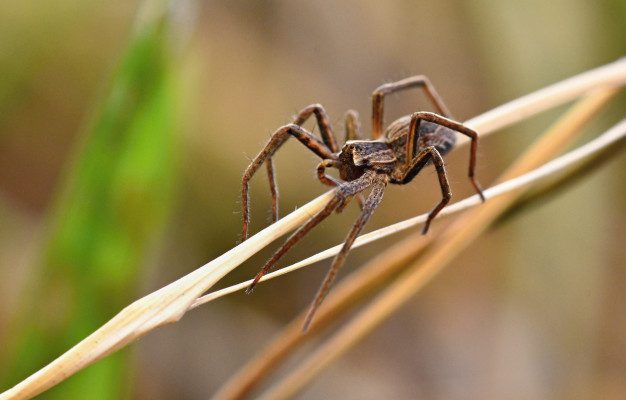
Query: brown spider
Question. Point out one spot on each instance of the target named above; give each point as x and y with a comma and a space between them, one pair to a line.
397, 156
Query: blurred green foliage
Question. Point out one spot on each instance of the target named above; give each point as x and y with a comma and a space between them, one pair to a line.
115, 202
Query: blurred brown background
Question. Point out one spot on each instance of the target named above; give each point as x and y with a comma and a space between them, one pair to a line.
534, 310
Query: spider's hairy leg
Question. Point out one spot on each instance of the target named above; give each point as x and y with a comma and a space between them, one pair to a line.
352, 126
419, 81
328, 138
450, 124
330, 181
326, 130
378, 184
271, 177
342, 193
277, 139
321, 174
293, 239
421, 159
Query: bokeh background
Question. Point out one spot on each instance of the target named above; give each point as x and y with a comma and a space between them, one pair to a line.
124, 130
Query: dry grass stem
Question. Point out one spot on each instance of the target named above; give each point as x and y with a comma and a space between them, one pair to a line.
164, 306
445, 247
547, 188
171, 302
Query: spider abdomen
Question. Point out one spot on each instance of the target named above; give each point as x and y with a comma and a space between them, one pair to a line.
429, 134
442, 138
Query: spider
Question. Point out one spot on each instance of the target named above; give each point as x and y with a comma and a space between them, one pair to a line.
394, 156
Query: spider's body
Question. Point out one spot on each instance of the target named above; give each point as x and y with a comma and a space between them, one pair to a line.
389, 155
393, 156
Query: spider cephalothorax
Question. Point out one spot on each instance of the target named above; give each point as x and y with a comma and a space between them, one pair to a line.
358, 156
395, 156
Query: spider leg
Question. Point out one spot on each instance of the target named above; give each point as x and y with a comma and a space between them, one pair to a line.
331, 181
271, 176
327, 137
419, 81
379, 183
343, 192
326, 130
321, 174
277, 139
421, 159
353, 126
450, 124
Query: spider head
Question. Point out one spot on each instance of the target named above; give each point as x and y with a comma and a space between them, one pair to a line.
349, 169
357, 156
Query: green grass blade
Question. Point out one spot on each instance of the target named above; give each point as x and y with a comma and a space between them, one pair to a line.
111, 209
